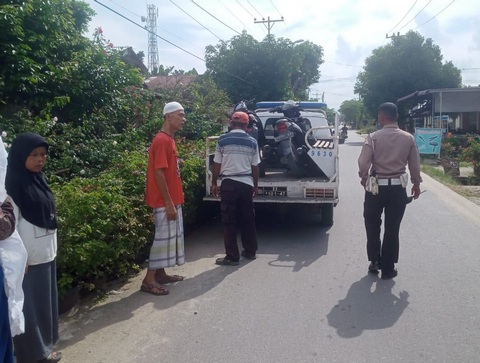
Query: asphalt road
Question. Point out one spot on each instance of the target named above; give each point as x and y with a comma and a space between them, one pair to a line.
308, 296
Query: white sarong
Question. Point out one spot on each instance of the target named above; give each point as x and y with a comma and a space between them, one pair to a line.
168, 246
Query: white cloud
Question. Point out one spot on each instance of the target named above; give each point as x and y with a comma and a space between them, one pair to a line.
348, 30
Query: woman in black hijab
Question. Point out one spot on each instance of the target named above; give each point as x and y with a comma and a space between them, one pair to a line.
37, 225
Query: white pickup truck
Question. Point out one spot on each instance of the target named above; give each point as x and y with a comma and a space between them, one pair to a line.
277, 187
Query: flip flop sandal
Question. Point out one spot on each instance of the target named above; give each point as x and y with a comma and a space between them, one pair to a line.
154, 290
52, 357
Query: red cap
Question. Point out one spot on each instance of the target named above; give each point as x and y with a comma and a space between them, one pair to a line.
240, 116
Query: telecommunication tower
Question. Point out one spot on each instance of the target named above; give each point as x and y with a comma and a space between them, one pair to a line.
151, 21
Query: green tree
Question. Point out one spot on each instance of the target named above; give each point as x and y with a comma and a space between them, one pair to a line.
407, 64
49, 68
273, 69
354, 113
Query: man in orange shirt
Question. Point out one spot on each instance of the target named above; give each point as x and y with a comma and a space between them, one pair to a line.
164, 194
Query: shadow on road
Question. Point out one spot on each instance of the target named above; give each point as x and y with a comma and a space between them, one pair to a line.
364, 309
88, 320
295, 235
277, 236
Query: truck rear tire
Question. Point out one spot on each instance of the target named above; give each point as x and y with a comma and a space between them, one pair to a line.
327, 214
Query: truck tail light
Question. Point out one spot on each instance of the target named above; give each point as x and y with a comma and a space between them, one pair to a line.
281, 126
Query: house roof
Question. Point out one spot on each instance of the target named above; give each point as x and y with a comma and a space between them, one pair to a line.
130, 57
448, 99
174, 81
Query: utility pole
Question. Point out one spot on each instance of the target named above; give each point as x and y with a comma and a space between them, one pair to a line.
393, 35
270, 23
151, 21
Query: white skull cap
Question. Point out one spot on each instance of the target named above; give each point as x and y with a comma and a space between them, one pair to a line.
172, 107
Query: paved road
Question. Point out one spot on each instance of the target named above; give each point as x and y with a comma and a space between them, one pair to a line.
308, 297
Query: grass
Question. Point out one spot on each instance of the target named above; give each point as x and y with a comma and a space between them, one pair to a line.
438, 174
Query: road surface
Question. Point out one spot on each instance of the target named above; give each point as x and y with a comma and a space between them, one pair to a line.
308, 296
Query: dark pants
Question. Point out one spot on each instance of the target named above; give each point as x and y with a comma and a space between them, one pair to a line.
41, 314
238, 214
392, 200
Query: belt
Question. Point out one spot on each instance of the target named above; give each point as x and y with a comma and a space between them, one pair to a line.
389, 181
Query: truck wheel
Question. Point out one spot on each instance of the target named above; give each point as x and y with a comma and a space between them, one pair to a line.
327, 214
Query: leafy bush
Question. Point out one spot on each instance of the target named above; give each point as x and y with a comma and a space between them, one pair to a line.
471, 153
103, 223
450, 148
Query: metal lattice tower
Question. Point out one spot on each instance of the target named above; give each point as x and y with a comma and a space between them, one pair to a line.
152, 37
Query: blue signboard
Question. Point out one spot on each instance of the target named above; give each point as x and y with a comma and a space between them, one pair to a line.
429, 141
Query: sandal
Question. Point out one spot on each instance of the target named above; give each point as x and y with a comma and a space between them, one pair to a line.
170, 278
53, 357
154, 289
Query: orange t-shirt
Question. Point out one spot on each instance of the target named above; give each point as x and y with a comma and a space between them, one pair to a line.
163, 155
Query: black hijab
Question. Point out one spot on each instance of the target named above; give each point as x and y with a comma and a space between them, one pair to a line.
30, 190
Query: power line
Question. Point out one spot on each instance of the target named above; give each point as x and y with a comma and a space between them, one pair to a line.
228, 26
245, 9
169, 42
279, 13
415, 15
403, 16
343, 64
124, 8
140, 26
271, 2
221, 40
231, 12
435, 15
203, 26
253, 7
336, 79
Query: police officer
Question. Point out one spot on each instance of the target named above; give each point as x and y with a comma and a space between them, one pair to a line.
386, 154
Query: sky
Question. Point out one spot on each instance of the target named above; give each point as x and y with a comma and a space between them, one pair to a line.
348, 31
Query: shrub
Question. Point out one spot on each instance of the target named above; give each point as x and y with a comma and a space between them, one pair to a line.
103, 223
471, 153
450, 148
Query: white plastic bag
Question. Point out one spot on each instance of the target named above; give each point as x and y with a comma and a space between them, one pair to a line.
372, 185
13, 259
404, 180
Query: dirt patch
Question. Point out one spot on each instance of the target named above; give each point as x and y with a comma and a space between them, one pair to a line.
471, 192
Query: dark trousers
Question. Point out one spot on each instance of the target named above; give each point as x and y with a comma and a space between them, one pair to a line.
238, 214
392, 200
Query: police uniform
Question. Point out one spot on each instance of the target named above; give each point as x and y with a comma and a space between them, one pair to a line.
386, 153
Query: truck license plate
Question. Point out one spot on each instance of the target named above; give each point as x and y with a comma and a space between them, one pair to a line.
284, 136
272, 191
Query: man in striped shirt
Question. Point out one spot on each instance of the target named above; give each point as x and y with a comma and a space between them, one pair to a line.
236, 163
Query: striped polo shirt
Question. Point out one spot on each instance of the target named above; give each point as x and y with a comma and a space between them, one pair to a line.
237, 151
